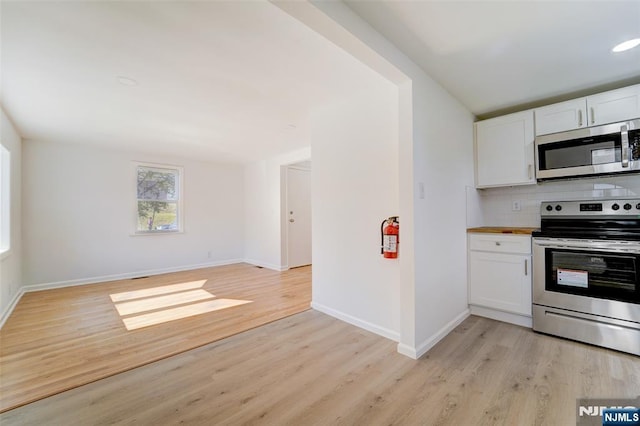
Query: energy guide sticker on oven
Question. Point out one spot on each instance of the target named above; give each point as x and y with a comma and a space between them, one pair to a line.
573, 278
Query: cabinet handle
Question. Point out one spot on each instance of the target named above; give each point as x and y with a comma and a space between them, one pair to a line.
526, 267
579, 118
593, 116
529, 169
498, 243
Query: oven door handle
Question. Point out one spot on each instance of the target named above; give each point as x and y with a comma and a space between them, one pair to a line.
555, 244
562, 246
613, 247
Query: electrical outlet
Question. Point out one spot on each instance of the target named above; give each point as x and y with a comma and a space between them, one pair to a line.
516, 206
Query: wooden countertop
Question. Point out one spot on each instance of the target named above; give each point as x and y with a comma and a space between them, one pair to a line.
502, 230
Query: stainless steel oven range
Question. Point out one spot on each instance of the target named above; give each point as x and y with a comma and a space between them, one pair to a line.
586, 272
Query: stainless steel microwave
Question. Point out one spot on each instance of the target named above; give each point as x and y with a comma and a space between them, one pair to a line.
601, 150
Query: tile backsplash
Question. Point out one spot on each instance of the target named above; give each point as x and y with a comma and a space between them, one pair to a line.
494, 206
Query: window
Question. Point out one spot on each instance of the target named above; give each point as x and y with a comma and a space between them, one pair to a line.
159, 198
5, 201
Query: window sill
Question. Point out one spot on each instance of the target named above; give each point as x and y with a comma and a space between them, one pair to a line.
145, 234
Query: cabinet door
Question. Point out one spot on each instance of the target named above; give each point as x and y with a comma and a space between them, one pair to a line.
500, 281
561, 117
615, 105
504, 150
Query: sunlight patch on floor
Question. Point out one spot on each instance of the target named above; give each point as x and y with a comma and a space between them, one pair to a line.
157, 305
160, 302
155, 291
153, 318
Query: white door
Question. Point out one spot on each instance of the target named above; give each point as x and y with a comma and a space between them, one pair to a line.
298, 217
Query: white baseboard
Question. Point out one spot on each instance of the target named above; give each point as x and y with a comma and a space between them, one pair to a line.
521, 320
11, 306
381, 331
407, 350
125, 276
266, 265
424, 347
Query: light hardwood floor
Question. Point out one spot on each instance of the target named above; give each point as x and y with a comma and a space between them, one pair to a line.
60, 339
311, 369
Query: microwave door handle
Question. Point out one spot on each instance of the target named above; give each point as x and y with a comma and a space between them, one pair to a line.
624, 139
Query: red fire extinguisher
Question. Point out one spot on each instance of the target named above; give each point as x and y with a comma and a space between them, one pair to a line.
390, 236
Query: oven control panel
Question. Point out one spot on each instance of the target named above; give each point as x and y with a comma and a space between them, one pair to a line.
616, 207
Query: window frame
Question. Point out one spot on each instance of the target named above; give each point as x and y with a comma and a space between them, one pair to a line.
179, 171
5, 202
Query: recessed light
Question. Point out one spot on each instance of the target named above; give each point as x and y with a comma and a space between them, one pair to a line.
126, 81
626, 45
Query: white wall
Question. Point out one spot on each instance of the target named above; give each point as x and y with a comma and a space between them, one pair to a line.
354, 187
443, 161
435, 150
265, 201
11, 263
78, 214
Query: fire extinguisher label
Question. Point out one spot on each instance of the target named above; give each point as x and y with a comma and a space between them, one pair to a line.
390, 243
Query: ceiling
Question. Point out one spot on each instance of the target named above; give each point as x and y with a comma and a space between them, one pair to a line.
496, 56
236, 81
223, 81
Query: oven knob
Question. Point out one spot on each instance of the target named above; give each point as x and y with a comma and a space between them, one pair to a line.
627, 206
638, 206
615, 207
549, 208
558, 207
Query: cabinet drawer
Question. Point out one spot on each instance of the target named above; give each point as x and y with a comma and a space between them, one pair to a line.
500, 243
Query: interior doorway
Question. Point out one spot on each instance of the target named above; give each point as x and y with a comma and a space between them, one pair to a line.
298, 214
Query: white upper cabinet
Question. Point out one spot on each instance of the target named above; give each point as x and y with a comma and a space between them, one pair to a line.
615, 105
504, 150
561, 117
603, 108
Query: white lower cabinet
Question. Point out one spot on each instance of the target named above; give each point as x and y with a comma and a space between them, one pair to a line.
500, 276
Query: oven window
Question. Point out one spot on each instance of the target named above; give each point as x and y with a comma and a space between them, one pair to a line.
594, 150
593, 273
